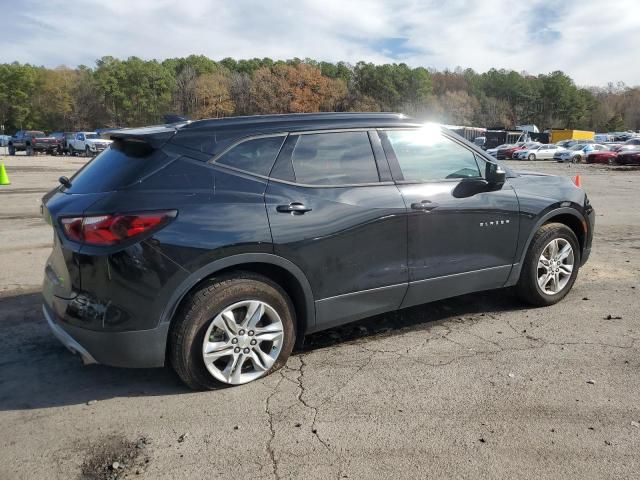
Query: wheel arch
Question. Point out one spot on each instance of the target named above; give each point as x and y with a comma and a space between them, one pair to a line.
280, 270
568, 216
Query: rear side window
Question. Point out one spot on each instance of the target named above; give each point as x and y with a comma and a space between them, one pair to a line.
118, 166
256, 155
426, 155
334, 159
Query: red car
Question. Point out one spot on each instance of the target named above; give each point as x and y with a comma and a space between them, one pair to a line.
609, 156
510, 151
603, 156
628, 157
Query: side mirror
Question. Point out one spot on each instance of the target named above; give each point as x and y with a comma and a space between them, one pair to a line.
495, 175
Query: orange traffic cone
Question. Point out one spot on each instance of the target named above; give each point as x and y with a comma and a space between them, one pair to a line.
577, 181
4, 178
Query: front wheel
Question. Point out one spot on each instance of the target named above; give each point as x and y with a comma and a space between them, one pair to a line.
12, 150
29, 150
87, 152
576, 159
532, 156
231, 331
551, 265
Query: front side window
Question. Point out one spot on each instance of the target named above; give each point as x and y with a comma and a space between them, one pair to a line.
256, 155
426, 155
343, 158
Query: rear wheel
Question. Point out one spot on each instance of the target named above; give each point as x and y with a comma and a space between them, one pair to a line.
551, 265
231, 331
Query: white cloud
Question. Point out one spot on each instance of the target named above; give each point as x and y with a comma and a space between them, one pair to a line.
592, 41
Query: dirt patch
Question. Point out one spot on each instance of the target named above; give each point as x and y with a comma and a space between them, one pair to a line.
115, 458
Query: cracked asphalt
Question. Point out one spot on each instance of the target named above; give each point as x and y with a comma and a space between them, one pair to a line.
478, 386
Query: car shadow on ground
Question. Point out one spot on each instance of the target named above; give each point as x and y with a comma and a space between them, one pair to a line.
36, 371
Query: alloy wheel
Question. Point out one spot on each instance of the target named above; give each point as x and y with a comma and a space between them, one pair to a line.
243, 342
555, 266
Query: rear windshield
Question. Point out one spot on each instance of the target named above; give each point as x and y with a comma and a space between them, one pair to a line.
117, 167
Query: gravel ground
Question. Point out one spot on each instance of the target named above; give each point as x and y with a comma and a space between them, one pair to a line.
473, 387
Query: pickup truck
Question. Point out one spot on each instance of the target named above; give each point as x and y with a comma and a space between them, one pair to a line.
87, 143
32, 142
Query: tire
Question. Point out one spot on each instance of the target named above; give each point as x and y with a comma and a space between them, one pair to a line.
197, 318
28, 150
12, 150
528, 287
87, 152
576, 159
532, 157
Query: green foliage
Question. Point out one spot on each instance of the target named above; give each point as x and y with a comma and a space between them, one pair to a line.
135, 92
615, 123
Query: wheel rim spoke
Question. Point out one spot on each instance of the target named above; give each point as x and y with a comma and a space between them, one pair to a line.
269, 333
262, 360
255, 311
237, 371
227, 323
565, 252
566, 269
216, 350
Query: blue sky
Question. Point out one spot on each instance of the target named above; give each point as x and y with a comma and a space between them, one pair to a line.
592, 40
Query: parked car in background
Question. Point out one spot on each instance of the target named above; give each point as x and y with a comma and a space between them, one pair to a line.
513, 152
603, 137
32, 142
578, 152
608, 156
223, 277
4, 140
628, 157
63, 139
537, 152
633, 141
570, 143
87, 143
494, 151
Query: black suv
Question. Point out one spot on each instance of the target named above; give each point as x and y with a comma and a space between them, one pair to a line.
217, 245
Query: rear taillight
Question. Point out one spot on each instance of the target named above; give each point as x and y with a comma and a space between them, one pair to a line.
104, 230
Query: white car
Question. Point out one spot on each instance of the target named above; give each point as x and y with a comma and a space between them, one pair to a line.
538, 152
578, 152
87, 143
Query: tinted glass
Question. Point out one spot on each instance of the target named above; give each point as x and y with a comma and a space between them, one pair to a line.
426, 155
255, 156
334, 159
116, 167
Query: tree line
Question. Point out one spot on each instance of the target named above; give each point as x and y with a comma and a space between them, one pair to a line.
135, 92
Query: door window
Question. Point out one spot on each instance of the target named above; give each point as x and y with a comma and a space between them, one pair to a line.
426, 155
255, 155
341, 158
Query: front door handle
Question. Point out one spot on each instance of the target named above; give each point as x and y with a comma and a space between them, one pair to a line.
426, 205
294, 208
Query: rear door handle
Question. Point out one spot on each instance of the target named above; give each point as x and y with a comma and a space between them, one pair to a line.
294, 208
426, 205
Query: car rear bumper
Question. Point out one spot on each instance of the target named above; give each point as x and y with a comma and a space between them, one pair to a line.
131, 349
